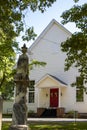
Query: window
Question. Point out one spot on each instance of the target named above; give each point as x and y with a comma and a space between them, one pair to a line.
79, 90
79, 95
31, 91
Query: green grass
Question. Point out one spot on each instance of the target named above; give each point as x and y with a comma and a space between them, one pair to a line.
53, 126
5, 126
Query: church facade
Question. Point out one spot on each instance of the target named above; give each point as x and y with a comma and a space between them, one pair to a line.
52, 85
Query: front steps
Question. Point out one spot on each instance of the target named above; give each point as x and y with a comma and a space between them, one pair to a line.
50, 113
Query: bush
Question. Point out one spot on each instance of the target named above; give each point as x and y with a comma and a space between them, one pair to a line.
7, 115
31, 113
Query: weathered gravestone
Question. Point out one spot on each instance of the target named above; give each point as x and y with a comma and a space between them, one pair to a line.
19, 120
1, 108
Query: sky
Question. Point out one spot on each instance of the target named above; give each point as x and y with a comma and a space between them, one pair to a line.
40, 20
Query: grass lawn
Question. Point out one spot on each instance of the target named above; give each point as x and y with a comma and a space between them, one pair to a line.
53, 126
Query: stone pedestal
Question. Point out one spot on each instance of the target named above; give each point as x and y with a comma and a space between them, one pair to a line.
19, 127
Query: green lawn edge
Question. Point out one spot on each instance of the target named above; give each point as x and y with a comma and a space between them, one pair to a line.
53, 126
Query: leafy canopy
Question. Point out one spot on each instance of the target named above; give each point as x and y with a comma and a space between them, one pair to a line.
12, 23
76, 46
12, 14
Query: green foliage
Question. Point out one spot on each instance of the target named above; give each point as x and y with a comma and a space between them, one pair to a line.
9, 115
6, 75
77, 14
76, 0
76, 46
29, 34
12, 14
35, 63
12, 24
7, 90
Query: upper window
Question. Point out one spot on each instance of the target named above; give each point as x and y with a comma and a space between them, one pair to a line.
31, 91
79, 90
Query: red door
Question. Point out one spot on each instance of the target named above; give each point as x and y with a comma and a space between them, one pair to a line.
54, 97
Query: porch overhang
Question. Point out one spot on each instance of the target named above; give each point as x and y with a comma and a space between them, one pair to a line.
49, 81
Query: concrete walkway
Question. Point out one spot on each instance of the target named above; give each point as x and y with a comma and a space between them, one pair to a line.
36, 120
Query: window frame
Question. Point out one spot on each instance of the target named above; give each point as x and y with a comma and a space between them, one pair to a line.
31, 91
79, 91
79, 95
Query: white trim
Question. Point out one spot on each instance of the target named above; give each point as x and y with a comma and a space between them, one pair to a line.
59, 84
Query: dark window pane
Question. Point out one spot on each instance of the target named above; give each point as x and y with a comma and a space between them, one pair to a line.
31, 97
31, 91
31, 85
79, 95
79, 90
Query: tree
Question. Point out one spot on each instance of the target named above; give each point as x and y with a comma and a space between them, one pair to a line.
12, 23
76, 46
12, 14
7, 61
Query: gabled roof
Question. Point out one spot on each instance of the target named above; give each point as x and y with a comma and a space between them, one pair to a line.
46, 30
50, 81
58, 80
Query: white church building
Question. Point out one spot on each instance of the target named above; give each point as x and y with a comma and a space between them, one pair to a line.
50, 86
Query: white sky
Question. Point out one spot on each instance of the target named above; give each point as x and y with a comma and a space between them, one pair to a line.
40, 20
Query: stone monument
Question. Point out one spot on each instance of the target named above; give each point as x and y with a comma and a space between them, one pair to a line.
21, 79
